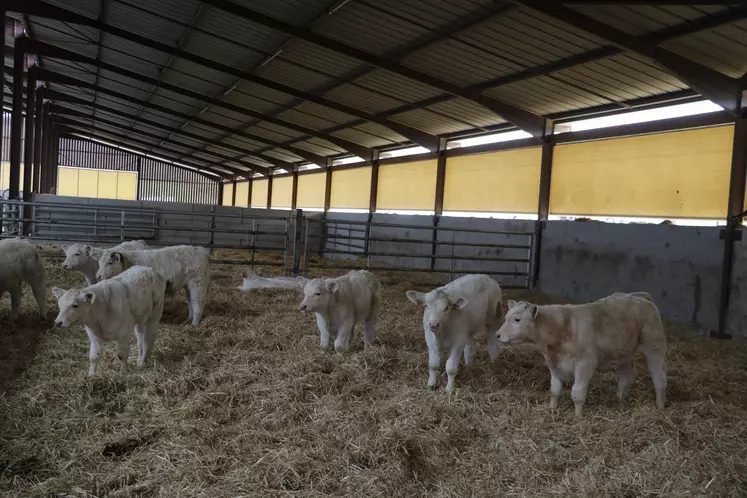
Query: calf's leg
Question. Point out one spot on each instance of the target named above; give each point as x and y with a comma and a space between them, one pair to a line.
434, 358
369, 331
655, 360
342, 341
38, 286
452, 365
140, 331
94, 353
123, 351
469, 352
321, 322
15, 300
582, 376
627, 376
556, 389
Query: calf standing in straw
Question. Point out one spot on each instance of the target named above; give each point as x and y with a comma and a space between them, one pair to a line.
84, 258
184, 267
339, 303
575, 339
20, 262
110, 309
453, 315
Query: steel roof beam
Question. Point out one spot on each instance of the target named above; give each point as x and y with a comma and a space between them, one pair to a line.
166, 153
715, 86
66, 111
69, 80
522, 118
64, 97
46, 50
43, 9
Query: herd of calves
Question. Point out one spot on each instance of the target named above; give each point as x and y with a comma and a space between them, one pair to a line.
127, 284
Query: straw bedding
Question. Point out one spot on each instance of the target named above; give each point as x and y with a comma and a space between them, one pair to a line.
247, 405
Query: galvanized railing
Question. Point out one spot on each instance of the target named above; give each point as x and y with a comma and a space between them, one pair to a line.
436, 252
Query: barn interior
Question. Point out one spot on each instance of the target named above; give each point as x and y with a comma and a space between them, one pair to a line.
568, 149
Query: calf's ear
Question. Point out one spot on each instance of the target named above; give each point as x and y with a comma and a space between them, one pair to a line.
511, 303
460, 303
332, 286
57, 292
90, 297
415, 296
116, 257
87, 250
534, 310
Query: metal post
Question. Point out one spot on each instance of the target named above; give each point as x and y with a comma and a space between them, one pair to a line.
438, 204
233, 194
46, 140
328, 189
2, 112
249, 193
296, 228
28, 147
139, 169
122, 227
269, 192
543, 208
294, 190
307, 222
254, 241
54, 157
285, 245
38, 140
16, 123
735, 208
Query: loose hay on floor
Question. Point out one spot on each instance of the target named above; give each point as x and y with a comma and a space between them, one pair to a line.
246, 404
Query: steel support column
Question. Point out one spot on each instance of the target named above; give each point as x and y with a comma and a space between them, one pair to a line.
543, 206
16, 121
328, 189
374, 194
38, 139
233, 194
54, 157
139, 169
220, 194
734, 218
45, 163
28, 146
250, 183
269, 192
294, 190
2, 113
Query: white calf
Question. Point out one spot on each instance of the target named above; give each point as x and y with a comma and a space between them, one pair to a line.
184, 267
84, 258
339, 303
575, 339
453, 315
111, 309
20, 262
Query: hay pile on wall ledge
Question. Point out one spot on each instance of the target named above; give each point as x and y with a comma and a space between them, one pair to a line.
247, 405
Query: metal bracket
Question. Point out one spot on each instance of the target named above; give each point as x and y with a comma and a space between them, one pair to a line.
737, 235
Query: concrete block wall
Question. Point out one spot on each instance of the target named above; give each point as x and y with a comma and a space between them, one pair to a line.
679, 266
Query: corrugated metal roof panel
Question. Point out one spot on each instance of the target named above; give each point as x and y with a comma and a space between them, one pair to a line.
81, 40
179, 10
378, 130
220, 51
253, 38
89, 8
368, 28
249, 102
723, 49
201, 79
318, 58
460, 63
362, 138
253, 90
396, 86
294, 76
543, 96
136, 21
467, 111
166, 120
283, 155
322, 112
271, 135
114, 48
116, 86
285, 133
641, 19
221, 120
173, 105
298, 12
429, 122
322, 149
105, 74
436, 13
359, 98
241, 142
207, 133
305, 119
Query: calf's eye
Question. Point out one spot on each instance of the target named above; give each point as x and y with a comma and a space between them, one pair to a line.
75, 306
517, 319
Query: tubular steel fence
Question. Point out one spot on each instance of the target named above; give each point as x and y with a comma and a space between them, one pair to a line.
446, 250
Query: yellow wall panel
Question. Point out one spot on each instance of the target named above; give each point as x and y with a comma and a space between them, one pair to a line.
407, 186
227, 194
67, 182
282, 192
4, 175
259, 193
681, 174
351, 188
107, 185
126, 185
88, 183
242, 193
311, 191
505, 182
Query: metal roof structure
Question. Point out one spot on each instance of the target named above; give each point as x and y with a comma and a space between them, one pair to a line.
240, 87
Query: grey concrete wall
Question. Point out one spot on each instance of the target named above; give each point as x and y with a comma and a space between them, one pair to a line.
679, 266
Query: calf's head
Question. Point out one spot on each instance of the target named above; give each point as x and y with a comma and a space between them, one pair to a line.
76, 256
520, 323
437, 309
74, 304
110, 265
317, 294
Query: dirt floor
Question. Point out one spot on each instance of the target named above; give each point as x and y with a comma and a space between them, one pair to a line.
247, 405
